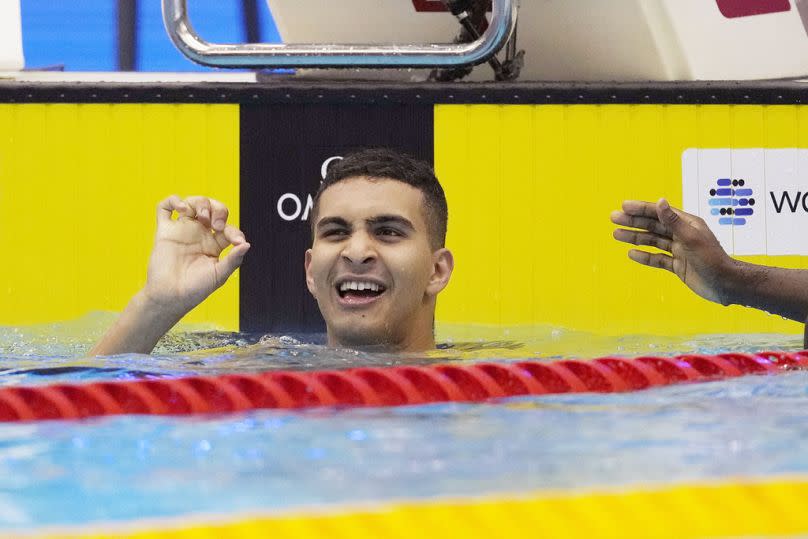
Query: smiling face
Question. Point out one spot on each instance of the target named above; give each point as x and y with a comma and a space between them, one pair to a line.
371, 267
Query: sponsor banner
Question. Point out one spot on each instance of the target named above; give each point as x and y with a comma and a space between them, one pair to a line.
285, 152
752, 199
529, 226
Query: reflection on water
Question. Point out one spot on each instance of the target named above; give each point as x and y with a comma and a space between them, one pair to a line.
56, 352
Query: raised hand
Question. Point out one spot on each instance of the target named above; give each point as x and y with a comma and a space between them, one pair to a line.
690, 249
184, 267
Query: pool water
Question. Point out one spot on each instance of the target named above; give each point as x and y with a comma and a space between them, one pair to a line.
133, 467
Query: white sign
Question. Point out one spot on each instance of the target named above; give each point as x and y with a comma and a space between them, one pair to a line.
754, 200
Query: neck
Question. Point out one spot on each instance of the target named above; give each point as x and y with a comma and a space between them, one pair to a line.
419, 344
419, 339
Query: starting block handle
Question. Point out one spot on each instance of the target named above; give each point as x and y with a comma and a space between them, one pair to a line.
310, 55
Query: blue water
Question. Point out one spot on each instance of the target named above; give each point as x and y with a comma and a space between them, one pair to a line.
125, 468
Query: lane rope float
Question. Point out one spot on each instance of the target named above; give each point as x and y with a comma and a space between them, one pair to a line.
379, 386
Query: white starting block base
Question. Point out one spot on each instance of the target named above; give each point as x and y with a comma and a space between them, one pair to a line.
582, 40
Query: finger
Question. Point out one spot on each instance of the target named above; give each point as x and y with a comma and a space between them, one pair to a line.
643, 238
640, 208
645, 223
201, 207
655, 260
166, 208
234, 235
230, 236
218, 215
227, 265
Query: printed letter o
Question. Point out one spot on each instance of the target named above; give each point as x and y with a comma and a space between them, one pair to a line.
298, 207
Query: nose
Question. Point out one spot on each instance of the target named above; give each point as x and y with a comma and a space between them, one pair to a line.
359, 249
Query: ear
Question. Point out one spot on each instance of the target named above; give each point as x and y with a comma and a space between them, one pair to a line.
442, 267
309, 277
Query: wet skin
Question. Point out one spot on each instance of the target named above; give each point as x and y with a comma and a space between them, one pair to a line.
372, 268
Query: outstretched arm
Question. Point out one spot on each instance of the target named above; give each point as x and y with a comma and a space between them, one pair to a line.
692, 252
184, 269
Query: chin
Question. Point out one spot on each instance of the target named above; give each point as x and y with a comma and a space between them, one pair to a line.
361, 336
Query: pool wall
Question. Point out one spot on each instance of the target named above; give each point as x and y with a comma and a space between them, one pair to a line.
749, 508
79, 184
531, 171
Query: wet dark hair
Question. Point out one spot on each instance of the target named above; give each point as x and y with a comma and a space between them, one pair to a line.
384, 163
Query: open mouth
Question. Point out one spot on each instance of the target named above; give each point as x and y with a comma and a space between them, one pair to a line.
359, 291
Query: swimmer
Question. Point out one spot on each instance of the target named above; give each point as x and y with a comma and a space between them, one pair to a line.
692, 252
376, 265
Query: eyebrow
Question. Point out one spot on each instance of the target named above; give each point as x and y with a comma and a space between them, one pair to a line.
373, 221
391, 220
337, 221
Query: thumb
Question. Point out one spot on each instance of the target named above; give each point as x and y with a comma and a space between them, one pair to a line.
230, 263
669, 217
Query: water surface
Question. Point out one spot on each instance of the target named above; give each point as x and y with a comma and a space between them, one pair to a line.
130, 467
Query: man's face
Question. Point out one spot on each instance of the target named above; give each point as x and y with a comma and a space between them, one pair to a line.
371, 268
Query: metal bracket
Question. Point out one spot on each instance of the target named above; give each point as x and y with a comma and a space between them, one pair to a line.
273, 56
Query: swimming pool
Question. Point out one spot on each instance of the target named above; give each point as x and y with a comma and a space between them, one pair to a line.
668, 462
117, 470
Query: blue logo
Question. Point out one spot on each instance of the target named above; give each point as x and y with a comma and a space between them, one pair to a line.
731, 201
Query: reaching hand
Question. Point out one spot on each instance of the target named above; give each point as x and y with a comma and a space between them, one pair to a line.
692, 251
184, 267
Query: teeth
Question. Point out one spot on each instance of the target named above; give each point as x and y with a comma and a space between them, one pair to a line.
359, 285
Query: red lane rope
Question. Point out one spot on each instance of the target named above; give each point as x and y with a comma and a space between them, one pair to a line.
382, 386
